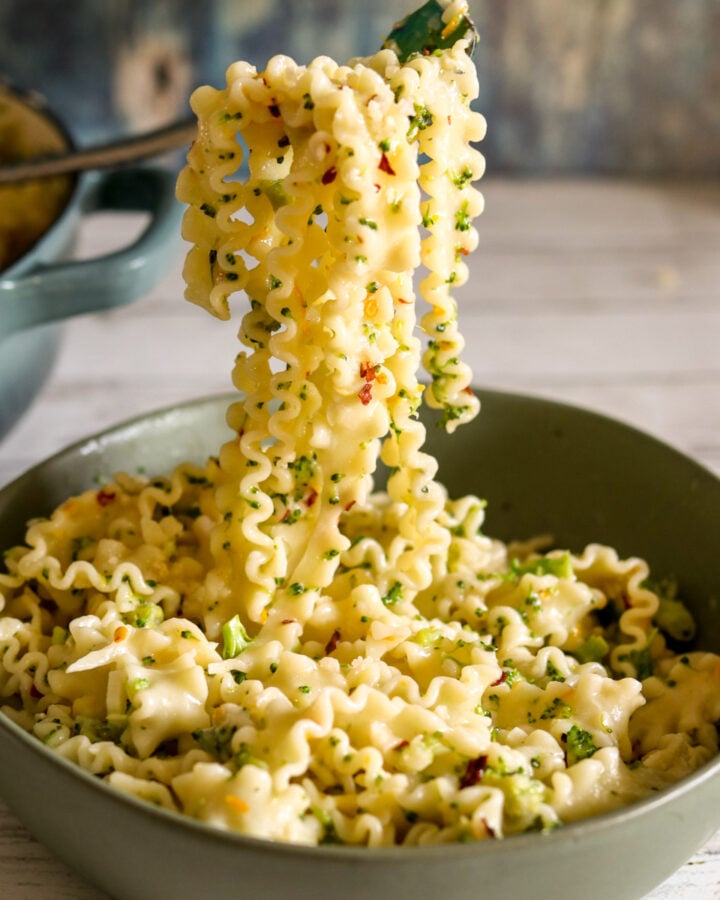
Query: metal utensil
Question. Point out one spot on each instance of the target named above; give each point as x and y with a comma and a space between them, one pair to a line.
131, 149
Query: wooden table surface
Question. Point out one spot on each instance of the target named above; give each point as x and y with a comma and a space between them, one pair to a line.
604, 294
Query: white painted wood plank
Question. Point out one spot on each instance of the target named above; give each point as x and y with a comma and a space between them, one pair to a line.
28, 871
566, 215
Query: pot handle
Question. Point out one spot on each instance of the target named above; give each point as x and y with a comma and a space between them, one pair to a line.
56, 291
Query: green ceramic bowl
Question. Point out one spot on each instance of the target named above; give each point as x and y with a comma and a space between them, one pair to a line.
544, 467
40, 287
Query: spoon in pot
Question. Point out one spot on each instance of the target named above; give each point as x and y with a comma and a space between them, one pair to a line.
423, 31
142, 146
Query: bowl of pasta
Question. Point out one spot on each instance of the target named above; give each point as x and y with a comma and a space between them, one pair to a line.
337, 633
39, 286
565, 483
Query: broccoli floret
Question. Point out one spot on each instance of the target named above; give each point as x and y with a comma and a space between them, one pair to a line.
216, 741
523, 796
578, 745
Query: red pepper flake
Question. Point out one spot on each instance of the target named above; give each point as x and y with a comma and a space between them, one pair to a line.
401, 746
365, 393
503, 676
329, 176
367, 371
274, 110
333, 642
34, 692
402, 300
312, 497
104, 497
474, 771
288, 621
377, 187
350, 505
385, 165
468, 390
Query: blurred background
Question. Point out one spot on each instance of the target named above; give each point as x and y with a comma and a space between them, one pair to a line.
591, 87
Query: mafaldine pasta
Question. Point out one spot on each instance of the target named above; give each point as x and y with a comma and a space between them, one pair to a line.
269, 643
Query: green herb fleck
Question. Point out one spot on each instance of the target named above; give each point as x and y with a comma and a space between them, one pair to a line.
462, 218
420, 121
394, 595
461, 178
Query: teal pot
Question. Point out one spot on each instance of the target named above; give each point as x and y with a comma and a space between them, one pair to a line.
41, 287
543, 467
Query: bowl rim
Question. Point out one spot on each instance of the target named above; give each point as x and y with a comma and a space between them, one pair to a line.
567, 833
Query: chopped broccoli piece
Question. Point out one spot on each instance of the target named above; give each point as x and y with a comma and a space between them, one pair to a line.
426, 637
593, 650
145, 615
234, 637
523, 795
216, 741
275, 192
559, 566
578, 745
